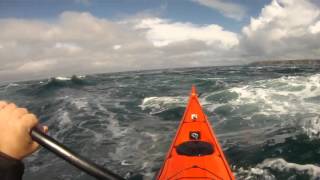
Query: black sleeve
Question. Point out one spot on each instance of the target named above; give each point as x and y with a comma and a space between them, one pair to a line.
10, 168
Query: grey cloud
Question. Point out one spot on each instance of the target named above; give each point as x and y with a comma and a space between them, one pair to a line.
79, 43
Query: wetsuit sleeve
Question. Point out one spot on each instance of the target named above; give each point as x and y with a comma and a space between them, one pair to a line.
10, 168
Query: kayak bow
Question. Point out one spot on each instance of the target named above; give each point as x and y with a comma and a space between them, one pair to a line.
195, 152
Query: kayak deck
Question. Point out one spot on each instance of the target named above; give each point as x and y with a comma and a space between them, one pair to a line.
195, 152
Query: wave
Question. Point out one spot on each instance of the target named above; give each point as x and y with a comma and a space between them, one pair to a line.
288, 100
157, 105
12, 85
62, 78
61, 82
278, 168
282, 165
279, 96
102, 112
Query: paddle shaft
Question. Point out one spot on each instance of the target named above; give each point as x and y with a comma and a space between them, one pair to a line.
72, 157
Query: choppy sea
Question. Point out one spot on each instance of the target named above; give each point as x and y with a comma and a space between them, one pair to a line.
267, 119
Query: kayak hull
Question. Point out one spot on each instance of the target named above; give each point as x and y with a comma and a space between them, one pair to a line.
195, 152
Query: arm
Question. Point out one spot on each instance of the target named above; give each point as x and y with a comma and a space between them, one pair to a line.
10, 168
15, 141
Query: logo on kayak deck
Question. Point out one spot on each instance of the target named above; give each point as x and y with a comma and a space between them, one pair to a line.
194, 135
194, 116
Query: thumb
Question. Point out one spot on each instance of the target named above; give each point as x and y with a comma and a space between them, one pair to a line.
34, 145
32, 148
45, 129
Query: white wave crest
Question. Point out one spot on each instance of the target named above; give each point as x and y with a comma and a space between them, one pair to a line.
65, 120
159, 104
80, 103
12, 85
289, 96
253, 174
60, 78
283, 95
266, 169
282, 165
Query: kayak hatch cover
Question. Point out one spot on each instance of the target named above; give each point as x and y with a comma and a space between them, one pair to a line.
195, 152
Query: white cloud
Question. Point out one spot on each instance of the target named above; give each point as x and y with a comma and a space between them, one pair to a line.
228, 9
80, 43
163, 32
117, 47
314, 29
34, 66
283, 30
286, 16
69, 47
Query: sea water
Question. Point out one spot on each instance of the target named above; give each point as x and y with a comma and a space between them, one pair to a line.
267, 119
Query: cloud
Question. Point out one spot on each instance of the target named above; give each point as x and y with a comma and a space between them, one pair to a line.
163, 32
78, 42
284, 29
314, 29
69, 47
116, 47
228, 9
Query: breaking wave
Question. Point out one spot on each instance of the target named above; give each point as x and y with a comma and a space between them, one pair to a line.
266, 119
271, 168
65, 81
288, 100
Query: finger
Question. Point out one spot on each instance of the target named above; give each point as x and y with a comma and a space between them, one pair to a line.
33, 147
45, 129
19, 112
3, 104
10, 107
29, 120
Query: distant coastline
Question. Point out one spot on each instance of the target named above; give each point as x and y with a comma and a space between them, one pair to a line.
287, 62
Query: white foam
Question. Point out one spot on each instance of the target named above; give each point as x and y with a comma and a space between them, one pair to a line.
12, 85
257, 171
81, 76
65, 120
284, 96
154, 137
60, 78
113, 124
125, 163
114, 127
292, 88
284, 166
312, 127
159, 104
80, 103
253, 173
212, 78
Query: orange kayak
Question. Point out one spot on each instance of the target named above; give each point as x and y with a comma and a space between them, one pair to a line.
195, 152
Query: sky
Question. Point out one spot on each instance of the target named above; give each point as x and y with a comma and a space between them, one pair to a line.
49, 38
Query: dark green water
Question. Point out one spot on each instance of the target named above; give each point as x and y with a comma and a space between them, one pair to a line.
266, 118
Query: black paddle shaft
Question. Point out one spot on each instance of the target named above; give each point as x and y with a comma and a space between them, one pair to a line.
72, 157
